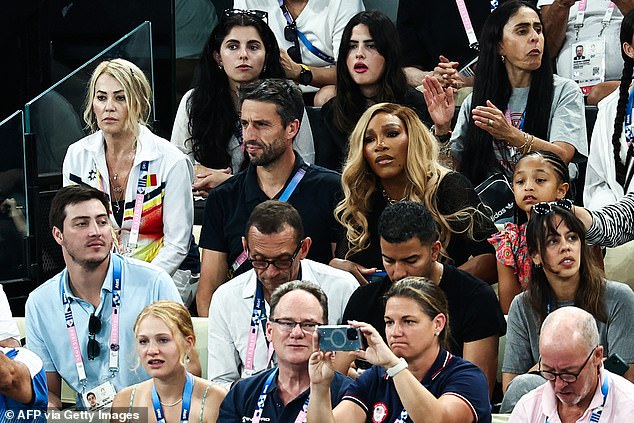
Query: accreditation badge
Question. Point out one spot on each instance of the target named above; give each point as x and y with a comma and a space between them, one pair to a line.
588, 63
99, 397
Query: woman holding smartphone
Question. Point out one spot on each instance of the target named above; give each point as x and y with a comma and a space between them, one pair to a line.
412, 376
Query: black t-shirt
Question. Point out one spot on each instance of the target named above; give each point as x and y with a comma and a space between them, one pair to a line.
332, 149
454, 193
435, 29
474, 310
230, 204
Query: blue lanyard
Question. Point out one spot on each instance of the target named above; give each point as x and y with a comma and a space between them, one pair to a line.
188, 389
258, 316
293, 183
629, 133
257, 414
596, 413
289, 20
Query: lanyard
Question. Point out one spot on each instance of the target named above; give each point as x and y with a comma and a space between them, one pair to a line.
257, 414
283, 198
138, 207
114, 325
289, 20
627, 126
596, 413
187, 399
258, 317
404, 414
466, 23
581, 14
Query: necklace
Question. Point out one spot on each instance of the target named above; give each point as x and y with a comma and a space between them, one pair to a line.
117, 183
389, 199
172, 404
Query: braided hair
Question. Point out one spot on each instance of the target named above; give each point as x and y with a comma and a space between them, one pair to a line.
627, 30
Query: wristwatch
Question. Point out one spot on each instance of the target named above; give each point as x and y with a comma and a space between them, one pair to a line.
305, 75
397, 368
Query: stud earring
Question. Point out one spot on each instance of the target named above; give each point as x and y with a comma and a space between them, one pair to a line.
503, 58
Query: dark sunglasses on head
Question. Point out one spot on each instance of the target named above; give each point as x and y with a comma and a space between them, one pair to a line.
545, 208
94, 326
259, 14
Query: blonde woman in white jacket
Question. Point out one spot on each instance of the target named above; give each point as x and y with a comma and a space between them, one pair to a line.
147, 179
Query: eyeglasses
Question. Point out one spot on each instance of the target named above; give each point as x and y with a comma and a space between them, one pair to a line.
290, 34
289, 325
259, 14
545, 208
566, 377
281, 264
94, 326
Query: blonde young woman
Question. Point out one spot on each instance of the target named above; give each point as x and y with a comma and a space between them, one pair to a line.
392, 157
165, 340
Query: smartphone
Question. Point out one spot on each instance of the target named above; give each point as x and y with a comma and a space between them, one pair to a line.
339, 338
377, 276
616, 364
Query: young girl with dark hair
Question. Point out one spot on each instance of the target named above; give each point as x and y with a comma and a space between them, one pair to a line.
517, 104
539, 176
611, 149
368, 72
240, 49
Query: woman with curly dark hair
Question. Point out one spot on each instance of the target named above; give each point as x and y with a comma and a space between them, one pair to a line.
241, 49
369, 72
517, 104
610, 170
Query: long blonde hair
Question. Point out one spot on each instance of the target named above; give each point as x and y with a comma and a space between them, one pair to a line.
423, 171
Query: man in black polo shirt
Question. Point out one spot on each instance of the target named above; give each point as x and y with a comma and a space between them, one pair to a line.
271, 111
410, 247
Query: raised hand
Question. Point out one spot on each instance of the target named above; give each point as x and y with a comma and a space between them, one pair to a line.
377, 352
440, 103
492, 120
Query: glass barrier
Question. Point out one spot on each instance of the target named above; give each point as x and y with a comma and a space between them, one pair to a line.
55, 117
14, 226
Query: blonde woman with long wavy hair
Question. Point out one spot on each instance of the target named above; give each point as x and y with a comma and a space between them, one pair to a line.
392, 156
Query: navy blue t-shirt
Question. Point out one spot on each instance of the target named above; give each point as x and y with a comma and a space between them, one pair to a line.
375, 393
241, 401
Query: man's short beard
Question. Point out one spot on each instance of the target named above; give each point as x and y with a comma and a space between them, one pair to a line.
89, 265
270, 153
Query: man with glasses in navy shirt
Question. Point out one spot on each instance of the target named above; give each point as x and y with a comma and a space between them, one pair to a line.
276, 247
80, 321
281, 394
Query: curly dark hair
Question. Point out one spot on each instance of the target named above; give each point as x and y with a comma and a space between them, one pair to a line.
212, 115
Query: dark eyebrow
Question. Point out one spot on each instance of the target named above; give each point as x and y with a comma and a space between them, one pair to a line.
105, 92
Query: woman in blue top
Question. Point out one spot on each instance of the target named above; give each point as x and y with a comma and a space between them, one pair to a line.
414, 379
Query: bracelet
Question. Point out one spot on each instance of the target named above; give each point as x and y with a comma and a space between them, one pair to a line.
530, 144
397, 368
529, 140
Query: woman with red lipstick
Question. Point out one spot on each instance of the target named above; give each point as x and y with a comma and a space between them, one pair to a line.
370, 73
165, 336
517, 104
393, 157
563, 273
240, 49
146, 178
539, 176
